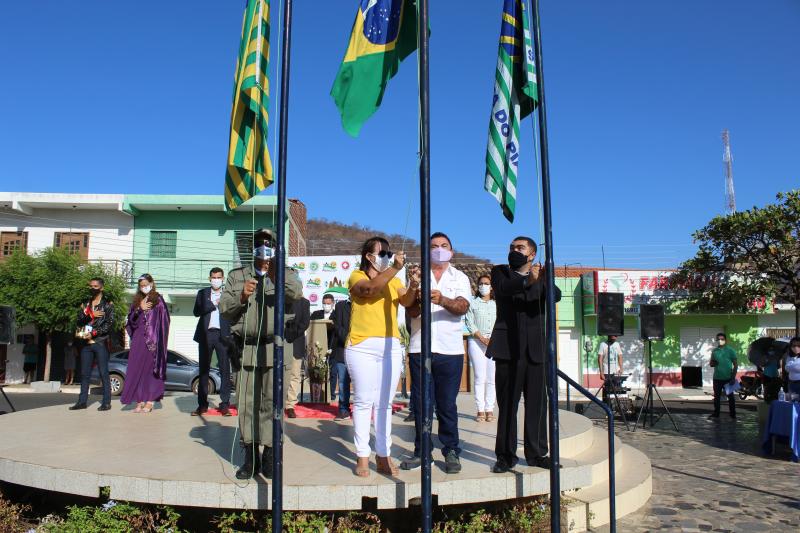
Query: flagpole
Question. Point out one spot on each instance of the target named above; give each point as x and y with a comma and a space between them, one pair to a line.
425, 260
550, 280
280, 274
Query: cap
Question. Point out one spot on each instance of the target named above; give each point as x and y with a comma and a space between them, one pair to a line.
263, 234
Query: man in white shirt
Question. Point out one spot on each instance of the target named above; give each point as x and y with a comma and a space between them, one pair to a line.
450, 294
609, 351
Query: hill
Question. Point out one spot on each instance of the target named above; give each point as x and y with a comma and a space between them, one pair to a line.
325, 237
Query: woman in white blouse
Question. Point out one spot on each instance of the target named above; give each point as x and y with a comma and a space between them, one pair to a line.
480, 321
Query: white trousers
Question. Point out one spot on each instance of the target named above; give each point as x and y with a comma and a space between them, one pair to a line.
374, 366
483, 370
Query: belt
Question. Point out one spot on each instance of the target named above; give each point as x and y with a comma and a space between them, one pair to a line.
269, 339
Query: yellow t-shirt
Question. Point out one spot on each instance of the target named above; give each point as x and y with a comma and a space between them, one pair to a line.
373, 317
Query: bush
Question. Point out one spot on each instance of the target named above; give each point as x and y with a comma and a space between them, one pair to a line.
11, 516
114, 517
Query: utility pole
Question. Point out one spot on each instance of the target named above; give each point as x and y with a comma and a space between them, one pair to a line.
727, 160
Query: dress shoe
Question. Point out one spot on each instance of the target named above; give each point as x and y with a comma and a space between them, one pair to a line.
78, 406
224, 410
104, 407
290, 413
409, 417
713, 415
542, 462
266, 462
501, 467
200, 411
251, 464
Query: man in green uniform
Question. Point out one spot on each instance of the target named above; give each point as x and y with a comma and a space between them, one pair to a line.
723, 359
248, 303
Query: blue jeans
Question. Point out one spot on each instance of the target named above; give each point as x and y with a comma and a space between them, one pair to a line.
794, 387
88, 353
445, 382
343, 378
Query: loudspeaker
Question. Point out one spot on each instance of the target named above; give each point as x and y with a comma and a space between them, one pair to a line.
651, 321
6, 324
610, 313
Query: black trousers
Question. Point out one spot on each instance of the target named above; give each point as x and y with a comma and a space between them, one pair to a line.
719, 390
212, 343
514, 379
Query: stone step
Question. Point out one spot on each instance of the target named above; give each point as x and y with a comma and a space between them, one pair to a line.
596, 456
589, 508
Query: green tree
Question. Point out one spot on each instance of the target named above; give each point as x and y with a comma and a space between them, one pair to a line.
48, 288
746, 255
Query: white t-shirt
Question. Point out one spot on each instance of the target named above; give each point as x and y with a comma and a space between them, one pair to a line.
446, 328
616, 351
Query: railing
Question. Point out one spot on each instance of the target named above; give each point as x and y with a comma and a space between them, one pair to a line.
612, 477
178, 273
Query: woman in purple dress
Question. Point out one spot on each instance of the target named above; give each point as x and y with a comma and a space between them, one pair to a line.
148, 329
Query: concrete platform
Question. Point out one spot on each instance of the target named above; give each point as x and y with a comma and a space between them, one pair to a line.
169, 457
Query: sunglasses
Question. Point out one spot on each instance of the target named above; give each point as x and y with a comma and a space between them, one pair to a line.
383, 253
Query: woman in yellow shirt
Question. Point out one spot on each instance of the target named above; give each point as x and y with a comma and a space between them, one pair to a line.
373, 352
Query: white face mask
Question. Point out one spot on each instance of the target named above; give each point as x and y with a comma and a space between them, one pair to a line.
216, 283
146, 289
440, 255
721, 342
484, 289
327, 307
263, 252
382, 263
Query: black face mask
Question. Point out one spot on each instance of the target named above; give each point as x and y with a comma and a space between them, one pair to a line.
516, 260
95, 292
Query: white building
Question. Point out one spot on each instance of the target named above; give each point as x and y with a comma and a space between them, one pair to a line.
93, 226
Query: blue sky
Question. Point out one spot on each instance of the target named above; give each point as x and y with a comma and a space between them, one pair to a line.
134, 97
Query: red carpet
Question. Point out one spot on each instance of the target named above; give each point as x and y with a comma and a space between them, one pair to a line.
327, 411
321, 411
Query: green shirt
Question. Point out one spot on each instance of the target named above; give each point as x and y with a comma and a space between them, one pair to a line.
725, 357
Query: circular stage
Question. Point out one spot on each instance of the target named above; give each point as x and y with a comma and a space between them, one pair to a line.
169, 457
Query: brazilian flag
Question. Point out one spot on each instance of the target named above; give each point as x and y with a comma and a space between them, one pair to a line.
384, 33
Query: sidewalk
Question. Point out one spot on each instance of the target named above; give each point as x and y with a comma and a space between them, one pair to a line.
28, 388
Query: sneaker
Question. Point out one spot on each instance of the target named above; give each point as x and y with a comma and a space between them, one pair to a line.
409, 417
342, 415
290, 413
412, 463
451, 463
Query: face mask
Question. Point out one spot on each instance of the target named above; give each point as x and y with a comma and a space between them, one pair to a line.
516, 260
146, 289
382, 263
327, 308
721, 342
95, 292
263, 252
484, 290
440, 255
216, 283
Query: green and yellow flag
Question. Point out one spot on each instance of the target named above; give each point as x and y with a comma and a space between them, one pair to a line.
384, 33
249, 170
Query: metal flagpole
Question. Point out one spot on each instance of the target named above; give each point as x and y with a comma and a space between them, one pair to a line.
550, 279
425, 260
280, 265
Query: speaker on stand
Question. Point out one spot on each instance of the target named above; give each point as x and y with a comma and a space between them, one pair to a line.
651, 327
611, 313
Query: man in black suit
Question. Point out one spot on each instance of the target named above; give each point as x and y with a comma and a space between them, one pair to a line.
341, 328
295, 332
518, 347
326, 314
209, 334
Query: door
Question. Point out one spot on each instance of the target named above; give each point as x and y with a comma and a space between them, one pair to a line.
696, 347
569, 355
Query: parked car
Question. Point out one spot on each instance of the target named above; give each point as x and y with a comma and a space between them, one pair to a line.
183, 374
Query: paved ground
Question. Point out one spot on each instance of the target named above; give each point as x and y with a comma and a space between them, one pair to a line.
712, 476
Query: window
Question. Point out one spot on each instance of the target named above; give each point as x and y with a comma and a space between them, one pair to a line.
163, 244
244, 245
74, 243
11, 241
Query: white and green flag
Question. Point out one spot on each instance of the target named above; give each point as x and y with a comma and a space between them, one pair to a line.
514, 99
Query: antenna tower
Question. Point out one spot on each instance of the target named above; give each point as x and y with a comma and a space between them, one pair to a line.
727, 160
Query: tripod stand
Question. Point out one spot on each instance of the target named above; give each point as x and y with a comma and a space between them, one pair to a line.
647, 401
611, 390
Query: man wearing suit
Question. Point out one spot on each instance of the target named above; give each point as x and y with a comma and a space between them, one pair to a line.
518, 347
325, 314
211, 330
341, 328
296, 334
